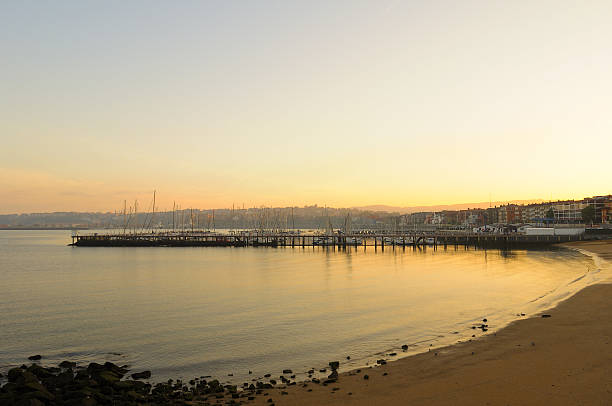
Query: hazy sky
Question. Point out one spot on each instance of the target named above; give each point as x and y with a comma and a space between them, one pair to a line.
282, 102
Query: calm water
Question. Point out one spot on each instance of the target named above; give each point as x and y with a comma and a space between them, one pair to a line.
185, 312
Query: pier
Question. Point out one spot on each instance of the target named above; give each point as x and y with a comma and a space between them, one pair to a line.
295, 239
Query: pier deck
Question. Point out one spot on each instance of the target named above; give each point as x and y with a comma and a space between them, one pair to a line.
438, 238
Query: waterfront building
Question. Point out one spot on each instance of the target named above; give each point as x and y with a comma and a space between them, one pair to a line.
603, 208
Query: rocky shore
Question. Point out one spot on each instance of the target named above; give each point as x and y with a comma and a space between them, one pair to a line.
104, 384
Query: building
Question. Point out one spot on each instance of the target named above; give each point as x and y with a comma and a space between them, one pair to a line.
568, 212
510, 214
603, 208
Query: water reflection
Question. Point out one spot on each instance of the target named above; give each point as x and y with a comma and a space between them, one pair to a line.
195, 311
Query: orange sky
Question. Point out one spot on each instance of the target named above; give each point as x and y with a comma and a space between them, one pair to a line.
344, 104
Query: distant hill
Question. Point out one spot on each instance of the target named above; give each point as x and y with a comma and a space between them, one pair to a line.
440, 207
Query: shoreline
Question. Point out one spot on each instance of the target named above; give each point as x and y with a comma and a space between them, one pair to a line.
465, 372
561, 359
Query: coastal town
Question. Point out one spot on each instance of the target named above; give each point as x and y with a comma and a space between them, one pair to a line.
590, 210
593, 212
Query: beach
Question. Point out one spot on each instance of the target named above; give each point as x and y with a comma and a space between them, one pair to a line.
564, 359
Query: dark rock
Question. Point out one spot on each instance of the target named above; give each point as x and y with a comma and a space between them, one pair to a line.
273, 381
484, 320
67, 364
348, 357
39, 371
21, 376
60, 380
142, 375
385, 374
35, 357
404, 347
545, 316
106, 377
39, 391
334, 364
94, 366
381, 361
393, 354
287, 371
323, 370
333, 375
366, 377
109, 366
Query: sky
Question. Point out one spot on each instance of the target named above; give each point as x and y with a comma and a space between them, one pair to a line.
277, 103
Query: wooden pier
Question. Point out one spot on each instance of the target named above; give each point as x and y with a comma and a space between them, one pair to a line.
382, 240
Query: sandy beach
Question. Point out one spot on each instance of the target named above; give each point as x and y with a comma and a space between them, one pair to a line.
564, 359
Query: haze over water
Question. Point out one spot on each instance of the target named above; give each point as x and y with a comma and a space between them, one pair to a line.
186, 312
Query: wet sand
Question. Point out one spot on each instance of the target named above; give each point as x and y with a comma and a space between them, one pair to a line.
564, 359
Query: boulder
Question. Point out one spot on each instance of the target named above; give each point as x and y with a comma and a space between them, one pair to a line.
142, 375
39, 371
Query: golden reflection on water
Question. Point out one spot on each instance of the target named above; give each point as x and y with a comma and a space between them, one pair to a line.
215, 310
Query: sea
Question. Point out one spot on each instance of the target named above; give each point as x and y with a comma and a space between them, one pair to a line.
239, 313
